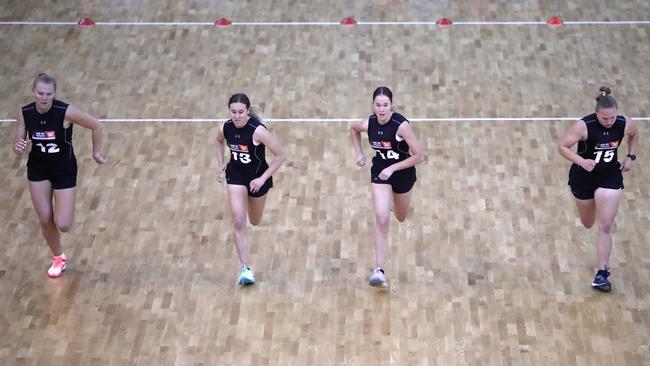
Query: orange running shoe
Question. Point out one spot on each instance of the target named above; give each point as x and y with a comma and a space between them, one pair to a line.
58, 266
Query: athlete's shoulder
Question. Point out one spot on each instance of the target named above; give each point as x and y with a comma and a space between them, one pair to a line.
398, 118
372, 121
254, 123
620, 118
59, 104
227, 127
29, 107
590, 118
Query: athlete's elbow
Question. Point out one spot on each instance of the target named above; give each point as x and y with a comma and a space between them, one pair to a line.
419, 158
281, 157
98, 127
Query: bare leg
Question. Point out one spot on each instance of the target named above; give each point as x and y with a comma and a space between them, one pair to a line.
42, 199
402, 201
237, 197
256, 209
587, 212
381, 197
607, 202
64, 202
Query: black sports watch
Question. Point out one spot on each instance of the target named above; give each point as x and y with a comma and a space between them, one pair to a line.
631, 156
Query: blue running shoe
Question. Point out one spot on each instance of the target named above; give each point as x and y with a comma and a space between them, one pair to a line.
377, 279
246, 276
601, 282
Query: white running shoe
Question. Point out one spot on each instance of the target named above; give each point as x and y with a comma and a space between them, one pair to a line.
378, 279
57, 267
246, 276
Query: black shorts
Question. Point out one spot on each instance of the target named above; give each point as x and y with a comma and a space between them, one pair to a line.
584, 184
233, 177
401, 181
62, 176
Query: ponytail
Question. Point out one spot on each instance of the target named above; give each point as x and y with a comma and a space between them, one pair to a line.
254, 111
604, 99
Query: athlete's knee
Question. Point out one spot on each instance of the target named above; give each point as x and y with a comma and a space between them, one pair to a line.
255, 220
382, 221
588, 223
605, 227
46, 220
587, 218
64, 225
239, 224
401, 217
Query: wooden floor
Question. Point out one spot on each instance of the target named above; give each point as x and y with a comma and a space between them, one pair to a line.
491, 268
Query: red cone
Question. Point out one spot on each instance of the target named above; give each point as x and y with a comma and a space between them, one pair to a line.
444, 22
555, 21
86, 22
223, 22
349, 21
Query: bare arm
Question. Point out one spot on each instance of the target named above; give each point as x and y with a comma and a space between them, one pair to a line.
577, 132
632, 132
406, 132
77, 116
355, 135
221, 167
20, 141
263, 136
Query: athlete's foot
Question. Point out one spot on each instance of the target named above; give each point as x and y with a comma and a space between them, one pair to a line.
245, 276
377, 279
58, 266
601, 282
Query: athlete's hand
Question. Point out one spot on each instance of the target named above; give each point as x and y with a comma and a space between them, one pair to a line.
386, 173
100, 158
588, 164
221, 173
256, 184
20, 146
361, 160
627, 165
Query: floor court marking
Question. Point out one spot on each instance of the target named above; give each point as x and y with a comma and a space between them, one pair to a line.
326, 120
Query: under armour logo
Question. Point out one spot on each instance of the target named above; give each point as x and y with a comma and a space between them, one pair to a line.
236, 136
43, 122
606, 133
380, 132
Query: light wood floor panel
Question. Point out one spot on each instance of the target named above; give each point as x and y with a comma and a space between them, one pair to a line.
491, 268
